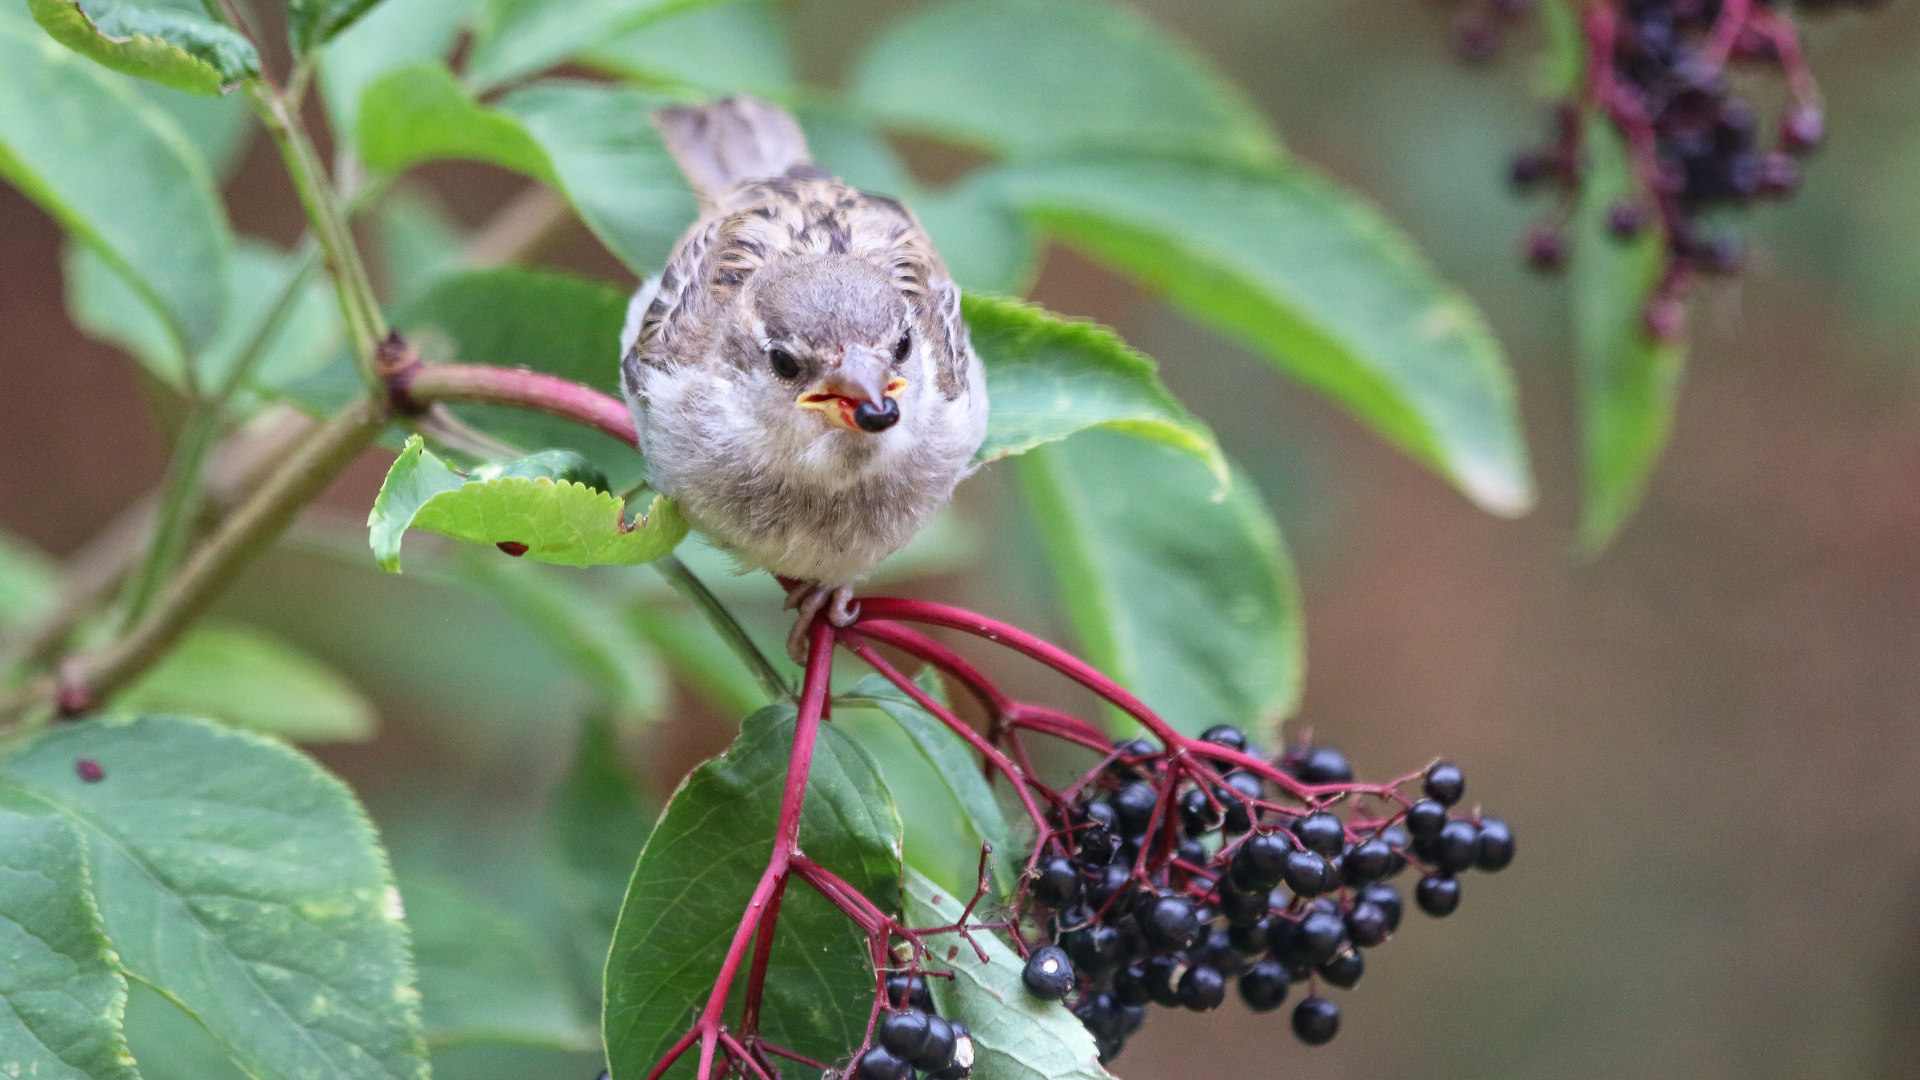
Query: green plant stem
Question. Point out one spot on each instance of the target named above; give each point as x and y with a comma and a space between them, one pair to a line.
366, 326
242, 537
690, 586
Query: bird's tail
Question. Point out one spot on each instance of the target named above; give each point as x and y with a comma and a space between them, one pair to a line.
730, 142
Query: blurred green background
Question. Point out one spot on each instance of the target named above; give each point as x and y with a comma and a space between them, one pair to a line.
1708, 740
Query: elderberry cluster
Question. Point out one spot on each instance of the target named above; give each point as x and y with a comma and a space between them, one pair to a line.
1163, 890
912, 1040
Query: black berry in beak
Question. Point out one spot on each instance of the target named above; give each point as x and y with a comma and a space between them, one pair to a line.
876, 418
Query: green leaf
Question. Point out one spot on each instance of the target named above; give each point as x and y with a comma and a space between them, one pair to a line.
1629, 381
251, 679
221, 128
1046, 77
731, 46
698, 871
419, 242
611, 164
29, 582
169, 1043
60, 982
421, 113
313, 23
556, 519
1319, 282
597, 829
557, 323
484, 977
171, 44
118, 174
1188, 602
244, 883
1049, 377
394, 34
699, 657
1016, 1036
941, 764
522, 37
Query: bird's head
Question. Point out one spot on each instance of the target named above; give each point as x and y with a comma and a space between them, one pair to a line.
836, 338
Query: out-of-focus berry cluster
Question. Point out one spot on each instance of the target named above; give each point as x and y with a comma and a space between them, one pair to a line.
1658, 70
1168, 882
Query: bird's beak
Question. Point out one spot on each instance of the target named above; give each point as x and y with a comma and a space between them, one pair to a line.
856, 393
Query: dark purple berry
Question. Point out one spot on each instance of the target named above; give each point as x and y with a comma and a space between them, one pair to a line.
1457, 847
1316, 1021
1214, 948
1387, 899
1425, 819
1264, 986
1049, 974
1095, 949
1625, 219
1306, 873
938, 1053
1134, 805
1056, 884
1258, 865
1236, 798
1197, 814
1163, 977
1202, 989
905, 990
1496, 845
904, 1032
1318, 937
1249, 939
1545, 247
1366, 862
1243, 907
1130, 984
1171, 923
878, 1064
1324, 765
1367, 925
1321, 832
1132, 1017
1225, 735
1345, 969
1397, 839
1191, 852
1437, 895
1445, 783
1101, 1016
1135, 749
1110, 882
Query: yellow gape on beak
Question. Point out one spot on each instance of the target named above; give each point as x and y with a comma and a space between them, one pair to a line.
857, 393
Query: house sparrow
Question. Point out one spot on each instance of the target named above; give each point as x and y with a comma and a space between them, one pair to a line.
799, 372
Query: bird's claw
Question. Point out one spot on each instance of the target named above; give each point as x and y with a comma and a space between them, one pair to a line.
810, 599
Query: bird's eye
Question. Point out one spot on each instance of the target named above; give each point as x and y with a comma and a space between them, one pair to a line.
784, 365
902, 347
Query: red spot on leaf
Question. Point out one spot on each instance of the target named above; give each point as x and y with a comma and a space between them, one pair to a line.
512, 547
89, 770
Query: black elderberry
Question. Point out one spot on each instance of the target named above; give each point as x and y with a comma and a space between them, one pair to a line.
1101, 1015
1100, 812
1316, 1021
1109, 1048
1321, 832
1191, 851
905, 990
1132, 1017
1366, 862
1163, 979
962, 1066
1496, 845
1056, 884
1445, 783
1171, 923
1225, 735
938, 1053
1243, 907
1425, 819
904, 1032
1130, 984
1258, 865
1134, 805
1249, 939
1306, 873
1318, 937
1110, 882
1214, 948
878, 1064
1367, 925
1264, 986
1236, 799
1135, 749
1437, 895
1457, 846
1324, 765
1095, 949
1345, 969
1397, 839
1387, 898
1049, 974
1202, 988
1197, 814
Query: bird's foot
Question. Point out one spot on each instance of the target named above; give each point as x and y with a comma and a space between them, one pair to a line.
810, 598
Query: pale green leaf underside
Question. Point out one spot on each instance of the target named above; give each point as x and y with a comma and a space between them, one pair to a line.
1189, 602
699, 869
118, 174
558, 521
62, 995
1629, 381
1049, 377
243, 882
420, 112
251, 679
1316, 280
1046, 77
174, 46
1016, 1036
522, 37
